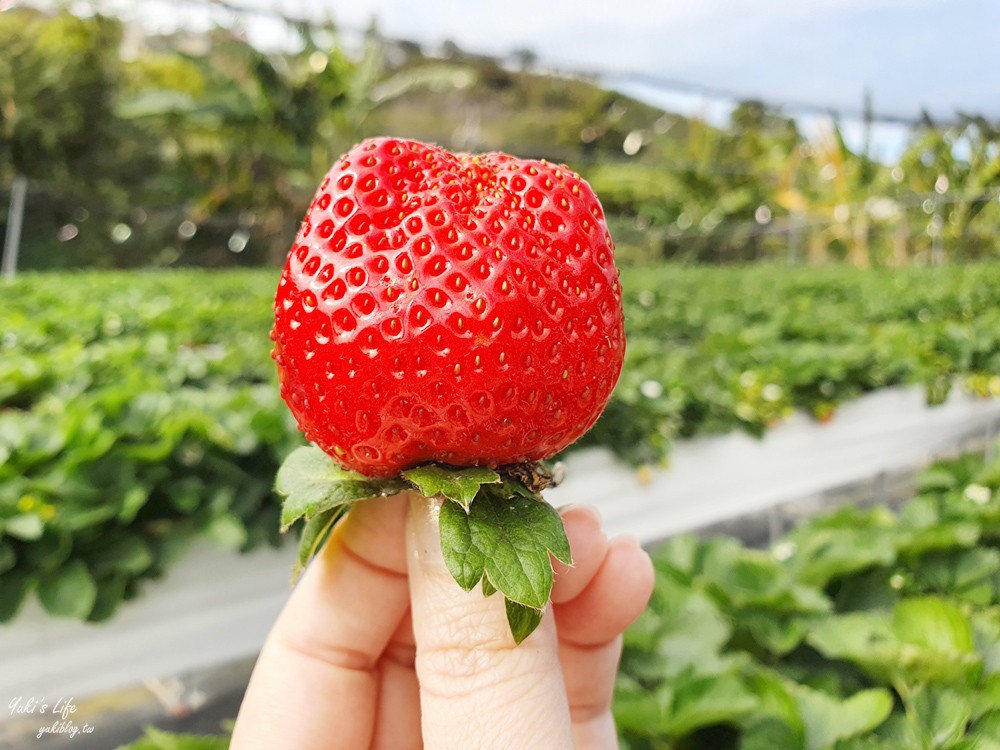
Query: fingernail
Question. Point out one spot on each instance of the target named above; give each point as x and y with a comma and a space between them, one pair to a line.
425, 530
627, 540
584, 510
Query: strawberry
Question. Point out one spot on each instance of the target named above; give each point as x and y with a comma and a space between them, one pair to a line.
451, 308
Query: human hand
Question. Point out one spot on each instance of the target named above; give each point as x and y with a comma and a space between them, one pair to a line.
379, 648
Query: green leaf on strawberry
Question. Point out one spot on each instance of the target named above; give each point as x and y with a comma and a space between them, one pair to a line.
505, 540
488, 588
313, 483
522, 620
460, 485
493, 531
314, 534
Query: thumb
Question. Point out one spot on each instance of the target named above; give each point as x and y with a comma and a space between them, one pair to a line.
477, 689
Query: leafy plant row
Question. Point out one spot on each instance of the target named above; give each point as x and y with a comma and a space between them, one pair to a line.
136, 413
139, 411
863, 629
711, 350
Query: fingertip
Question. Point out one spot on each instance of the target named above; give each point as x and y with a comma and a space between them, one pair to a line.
581, 511
640, 567
614, 597
374, 529
588, 544
446, 618
466, 661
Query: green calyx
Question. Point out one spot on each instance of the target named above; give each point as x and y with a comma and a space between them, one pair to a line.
496, 530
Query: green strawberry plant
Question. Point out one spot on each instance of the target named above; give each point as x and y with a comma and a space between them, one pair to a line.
131, 429
862, 628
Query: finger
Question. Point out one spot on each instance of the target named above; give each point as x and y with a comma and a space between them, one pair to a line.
613, 598
590, 627
477, 689
589, 545
397, 718
589, 673
317, 669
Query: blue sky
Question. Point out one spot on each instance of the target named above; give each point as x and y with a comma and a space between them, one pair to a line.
912, 55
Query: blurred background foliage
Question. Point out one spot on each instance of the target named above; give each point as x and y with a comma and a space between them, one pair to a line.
199, 149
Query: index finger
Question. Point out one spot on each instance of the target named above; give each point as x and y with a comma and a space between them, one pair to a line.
315, 682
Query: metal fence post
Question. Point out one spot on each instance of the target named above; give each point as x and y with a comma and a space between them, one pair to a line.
15, 217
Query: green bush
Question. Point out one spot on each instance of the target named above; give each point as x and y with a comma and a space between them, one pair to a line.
712, 350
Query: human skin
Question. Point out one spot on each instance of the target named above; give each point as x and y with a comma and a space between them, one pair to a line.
378, 647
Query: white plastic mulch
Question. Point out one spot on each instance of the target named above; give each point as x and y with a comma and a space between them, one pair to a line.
711, 479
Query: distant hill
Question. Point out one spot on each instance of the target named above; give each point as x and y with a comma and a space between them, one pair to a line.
528, 111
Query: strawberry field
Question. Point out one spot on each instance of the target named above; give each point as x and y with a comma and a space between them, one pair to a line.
140, 411
141, 426
863, 629
137, 412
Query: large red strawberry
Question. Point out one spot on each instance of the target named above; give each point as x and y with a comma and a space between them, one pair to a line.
449, 308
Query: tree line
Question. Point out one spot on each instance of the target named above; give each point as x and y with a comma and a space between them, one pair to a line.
204, 150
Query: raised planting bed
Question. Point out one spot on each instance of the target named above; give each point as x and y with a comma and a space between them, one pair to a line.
729, 480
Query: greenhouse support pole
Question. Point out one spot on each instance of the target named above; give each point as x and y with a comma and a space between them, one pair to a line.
15, 217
